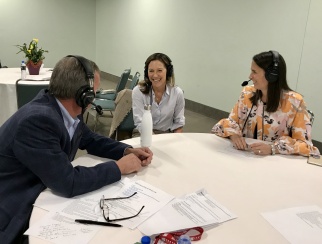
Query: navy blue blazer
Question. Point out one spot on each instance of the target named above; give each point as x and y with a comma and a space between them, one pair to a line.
36, 152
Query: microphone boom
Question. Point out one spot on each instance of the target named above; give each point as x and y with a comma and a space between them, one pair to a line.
98, 108
245, 83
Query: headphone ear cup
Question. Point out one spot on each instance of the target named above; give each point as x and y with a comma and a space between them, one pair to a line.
271, 74
84, 96
169, 71
146, 76
272, 71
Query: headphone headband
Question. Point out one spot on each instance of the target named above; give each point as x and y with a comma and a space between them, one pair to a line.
87, 67
276, 57
85, 94
272, 71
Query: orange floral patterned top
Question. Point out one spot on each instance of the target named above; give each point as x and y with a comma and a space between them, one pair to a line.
289, 128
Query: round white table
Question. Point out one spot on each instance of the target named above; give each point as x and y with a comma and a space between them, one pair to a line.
245, 183
8, 96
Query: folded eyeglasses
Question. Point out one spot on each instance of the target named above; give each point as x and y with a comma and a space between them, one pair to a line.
106, 211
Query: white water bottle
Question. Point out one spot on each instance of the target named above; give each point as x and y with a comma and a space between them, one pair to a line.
23, 70
146, 127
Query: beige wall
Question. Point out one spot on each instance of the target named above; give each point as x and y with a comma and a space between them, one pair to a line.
62, 27
211, 43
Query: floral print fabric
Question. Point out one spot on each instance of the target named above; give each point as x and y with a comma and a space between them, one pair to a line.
289, 128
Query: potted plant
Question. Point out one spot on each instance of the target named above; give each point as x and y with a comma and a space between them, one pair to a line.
34, 55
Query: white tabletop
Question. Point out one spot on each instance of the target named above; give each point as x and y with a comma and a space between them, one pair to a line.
246, 184
8, 78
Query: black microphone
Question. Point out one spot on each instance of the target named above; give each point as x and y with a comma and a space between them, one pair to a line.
98, 108
245, 83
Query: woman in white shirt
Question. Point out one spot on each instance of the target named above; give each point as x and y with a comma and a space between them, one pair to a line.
158, 89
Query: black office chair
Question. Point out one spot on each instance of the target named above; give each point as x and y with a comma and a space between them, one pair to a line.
26, 92
2, 66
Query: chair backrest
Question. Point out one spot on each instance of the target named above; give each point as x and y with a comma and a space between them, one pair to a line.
311, 114
123, 116
135, 80
127, 123
26, 92
123, 80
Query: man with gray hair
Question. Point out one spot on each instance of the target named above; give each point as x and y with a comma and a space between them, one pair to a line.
41, 139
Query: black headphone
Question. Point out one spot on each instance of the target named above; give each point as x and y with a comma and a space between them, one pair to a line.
166, 60
85, 94
271, 73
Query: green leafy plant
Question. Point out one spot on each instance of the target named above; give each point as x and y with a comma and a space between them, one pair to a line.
32, 51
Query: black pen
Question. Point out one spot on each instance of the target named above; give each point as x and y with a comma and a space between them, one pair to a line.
91, 222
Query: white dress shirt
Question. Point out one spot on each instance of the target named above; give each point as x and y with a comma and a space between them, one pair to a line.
167, 115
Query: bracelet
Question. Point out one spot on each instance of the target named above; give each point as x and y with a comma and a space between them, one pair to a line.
273, 149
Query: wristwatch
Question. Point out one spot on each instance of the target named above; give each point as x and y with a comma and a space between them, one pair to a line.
273, 149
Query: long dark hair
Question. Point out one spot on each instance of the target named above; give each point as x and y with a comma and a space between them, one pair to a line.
146, 85
265, 60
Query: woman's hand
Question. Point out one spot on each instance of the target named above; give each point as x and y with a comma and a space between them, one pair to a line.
178, 130
261, 148
238, 142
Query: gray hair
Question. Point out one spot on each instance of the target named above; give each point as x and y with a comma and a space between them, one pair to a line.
68, 76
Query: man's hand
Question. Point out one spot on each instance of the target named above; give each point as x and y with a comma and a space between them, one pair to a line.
129, 164
144, 154
134, 160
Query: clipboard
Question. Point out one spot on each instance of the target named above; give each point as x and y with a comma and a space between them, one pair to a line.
315, 160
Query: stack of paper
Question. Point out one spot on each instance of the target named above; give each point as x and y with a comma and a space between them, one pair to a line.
161, 212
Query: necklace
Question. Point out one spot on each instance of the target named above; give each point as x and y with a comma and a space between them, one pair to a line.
157, 99
158, 96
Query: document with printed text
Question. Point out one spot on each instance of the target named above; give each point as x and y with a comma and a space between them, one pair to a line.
59, 225
298, 225
196, 209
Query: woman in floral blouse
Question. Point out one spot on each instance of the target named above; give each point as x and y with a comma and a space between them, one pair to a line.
269, 111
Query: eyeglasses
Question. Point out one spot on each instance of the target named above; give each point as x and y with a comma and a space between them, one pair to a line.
106, 210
